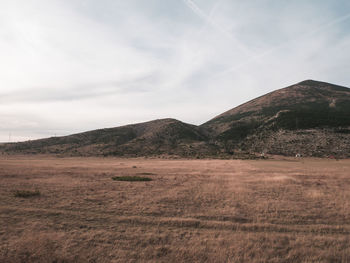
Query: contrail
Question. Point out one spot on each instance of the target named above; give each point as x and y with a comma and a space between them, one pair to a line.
199, 12
212, 11
255, 58
330, 24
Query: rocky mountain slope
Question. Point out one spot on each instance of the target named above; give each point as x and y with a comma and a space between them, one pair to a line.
310, 118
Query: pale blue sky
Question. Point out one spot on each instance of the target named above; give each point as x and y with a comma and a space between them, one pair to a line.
76, 65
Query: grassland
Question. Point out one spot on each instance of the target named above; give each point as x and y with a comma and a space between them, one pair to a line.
282, 210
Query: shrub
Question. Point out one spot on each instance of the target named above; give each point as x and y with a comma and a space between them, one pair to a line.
26, 193
131, 178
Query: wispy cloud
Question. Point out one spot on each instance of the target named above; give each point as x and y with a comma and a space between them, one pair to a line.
301, 37
79, 92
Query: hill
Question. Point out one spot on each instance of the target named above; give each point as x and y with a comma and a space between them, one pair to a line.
165, 136
311, 118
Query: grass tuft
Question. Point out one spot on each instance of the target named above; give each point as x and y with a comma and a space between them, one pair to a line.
131, 178
26, 193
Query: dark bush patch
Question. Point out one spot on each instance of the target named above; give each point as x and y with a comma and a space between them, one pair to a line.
131, 178
26, 193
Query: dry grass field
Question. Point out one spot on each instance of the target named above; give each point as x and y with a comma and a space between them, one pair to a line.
70, 210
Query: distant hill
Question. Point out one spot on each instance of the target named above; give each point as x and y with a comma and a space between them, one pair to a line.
165, 136
311, 118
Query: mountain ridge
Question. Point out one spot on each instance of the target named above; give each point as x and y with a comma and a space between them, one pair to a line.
280, 122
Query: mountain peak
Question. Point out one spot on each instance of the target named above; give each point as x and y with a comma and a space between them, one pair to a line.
310, 82
321, 85
309, 97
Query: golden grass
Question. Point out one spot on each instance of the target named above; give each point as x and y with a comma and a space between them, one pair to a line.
191, 211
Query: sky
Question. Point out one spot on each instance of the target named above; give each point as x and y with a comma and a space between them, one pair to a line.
68, 66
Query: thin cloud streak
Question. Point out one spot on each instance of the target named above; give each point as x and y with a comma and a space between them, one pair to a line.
80, 92
268, 52
216, 26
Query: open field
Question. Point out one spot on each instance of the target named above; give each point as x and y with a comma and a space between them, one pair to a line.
191, 211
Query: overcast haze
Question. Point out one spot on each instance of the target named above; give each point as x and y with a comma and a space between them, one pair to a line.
74, 65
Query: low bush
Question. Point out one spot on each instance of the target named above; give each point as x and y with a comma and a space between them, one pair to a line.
131, 178
26, 193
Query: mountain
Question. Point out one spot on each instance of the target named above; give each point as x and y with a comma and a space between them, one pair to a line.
165, 136
311, 118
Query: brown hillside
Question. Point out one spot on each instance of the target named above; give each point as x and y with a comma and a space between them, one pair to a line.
165, 136
308, 114
307, 94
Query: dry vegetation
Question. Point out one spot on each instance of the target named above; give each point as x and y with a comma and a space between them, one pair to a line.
191, 211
